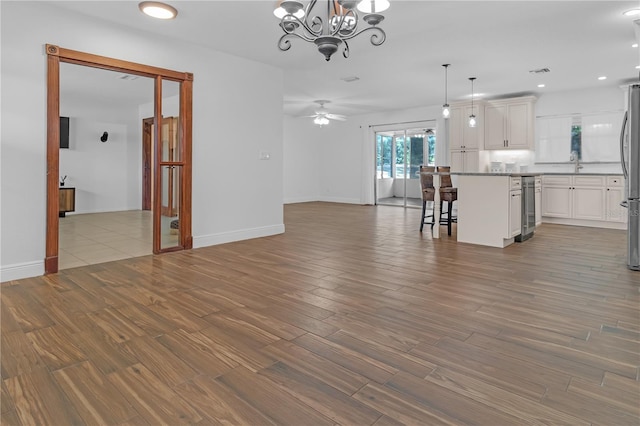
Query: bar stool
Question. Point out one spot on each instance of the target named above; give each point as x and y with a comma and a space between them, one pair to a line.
447, 193
428, 192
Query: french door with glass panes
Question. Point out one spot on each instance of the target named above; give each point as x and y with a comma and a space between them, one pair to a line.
399, 155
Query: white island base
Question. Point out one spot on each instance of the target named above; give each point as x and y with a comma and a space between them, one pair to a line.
489, 208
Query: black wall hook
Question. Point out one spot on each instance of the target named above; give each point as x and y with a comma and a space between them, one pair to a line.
104, 137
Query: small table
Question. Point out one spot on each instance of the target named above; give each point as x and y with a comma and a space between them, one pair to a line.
67, 200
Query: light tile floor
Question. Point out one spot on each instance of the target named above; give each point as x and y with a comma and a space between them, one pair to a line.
87, 239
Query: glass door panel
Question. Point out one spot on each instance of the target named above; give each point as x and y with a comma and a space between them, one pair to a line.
170, 222
399, 155
170, 167
384, 168
416, 153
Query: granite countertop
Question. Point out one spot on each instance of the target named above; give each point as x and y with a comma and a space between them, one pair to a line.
498, 174
582, 173
520, 174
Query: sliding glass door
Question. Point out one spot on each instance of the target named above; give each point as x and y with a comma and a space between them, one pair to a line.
399, 155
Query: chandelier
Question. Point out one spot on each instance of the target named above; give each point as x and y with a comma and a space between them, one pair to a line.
332, 27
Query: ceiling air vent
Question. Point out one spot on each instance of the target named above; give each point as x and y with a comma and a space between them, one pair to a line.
350, 79
540, 71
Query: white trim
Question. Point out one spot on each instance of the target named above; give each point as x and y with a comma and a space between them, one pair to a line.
295, 200
341, 200
243, 234
587, 223
21, 270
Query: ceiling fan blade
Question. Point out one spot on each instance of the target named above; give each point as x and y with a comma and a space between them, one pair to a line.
336, 117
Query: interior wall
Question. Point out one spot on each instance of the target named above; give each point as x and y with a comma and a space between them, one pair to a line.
97, 170
224, 102
606, 98
594, 100
348, 153
104, 174
302, 143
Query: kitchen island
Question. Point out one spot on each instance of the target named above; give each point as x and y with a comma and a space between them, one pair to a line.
490, 207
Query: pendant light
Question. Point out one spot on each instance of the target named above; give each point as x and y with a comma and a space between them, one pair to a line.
472, 117
445, 107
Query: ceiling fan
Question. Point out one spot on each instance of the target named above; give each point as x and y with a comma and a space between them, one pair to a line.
322, 116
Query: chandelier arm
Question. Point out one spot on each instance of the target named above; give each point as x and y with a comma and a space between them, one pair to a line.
287, 23
316, 22
377, 38
345, 51
328, 33
284, 43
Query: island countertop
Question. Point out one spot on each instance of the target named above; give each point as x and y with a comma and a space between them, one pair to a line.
520, 174
513, 174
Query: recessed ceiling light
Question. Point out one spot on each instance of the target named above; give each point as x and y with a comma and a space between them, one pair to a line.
158, 10
634, 45
604, 77
632, 12
540, 85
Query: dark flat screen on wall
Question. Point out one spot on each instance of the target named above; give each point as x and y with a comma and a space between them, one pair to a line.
64, 132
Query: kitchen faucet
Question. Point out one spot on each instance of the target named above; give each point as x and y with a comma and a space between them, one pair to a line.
576, 161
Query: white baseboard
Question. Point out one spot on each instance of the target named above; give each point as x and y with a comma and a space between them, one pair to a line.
300, 200
340, 200
243, 234
587, 223
21, 270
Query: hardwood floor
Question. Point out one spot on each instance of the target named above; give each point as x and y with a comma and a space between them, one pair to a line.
351, 317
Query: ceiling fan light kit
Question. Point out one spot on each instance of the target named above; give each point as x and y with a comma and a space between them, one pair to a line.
322, 116
330, 28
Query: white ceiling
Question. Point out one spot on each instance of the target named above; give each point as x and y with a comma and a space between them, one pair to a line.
498, 42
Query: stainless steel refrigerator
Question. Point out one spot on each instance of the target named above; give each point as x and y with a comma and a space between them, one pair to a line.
630, 158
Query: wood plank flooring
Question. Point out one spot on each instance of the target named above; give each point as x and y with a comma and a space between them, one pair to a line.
351, 317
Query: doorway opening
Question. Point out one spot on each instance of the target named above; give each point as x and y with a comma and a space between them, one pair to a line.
399, 154
170, 165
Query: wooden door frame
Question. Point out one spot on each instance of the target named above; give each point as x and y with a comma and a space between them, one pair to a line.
147, 146
56, 55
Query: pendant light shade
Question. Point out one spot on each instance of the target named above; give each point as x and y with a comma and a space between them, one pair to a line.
472, 117
294, 8
445, 107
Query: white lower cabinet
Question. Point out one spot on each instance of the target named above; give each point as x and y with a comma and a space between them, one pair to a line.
556, 201
515, 213
614, 212
489, 209
588, 200
538, 200
465, 161
588, 203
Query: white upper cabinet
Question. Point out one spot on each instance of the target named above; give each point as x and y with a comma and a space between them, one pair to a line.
461, 136
509, 123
